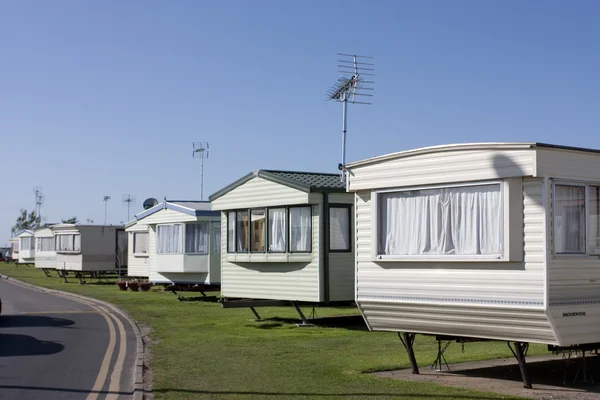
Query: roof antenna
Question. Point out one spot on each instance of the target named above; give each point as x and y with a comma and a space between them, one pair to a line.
129, 200
347, 87
201, 152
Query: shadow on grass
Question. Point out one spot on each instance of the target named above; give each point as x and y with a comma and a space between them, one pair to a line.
350, 322
205, 299
397, 395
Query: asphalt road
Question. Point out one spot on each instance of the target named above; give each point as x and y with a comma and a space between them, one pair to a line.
53, 347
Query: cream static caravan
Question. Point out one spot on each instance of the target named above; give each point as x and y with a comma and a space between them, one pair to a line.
182, 243
45, 253
26, 247
289, 238
138, 249
492, 240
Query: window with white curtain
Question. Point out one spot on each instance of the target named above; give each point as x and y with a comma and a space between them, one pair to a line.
594, 219
44, 244
573, 233
300, 229
216, 238
196, 238
140, 242
15, 246
26, 243
168, 238
277, 230
463, 221
231, 232
68, 242
339, 228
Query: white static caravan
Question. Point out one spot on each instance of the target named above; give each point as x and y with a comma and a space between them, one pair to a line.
45, 254
138, 254
26, 247
183, 242
14, 249
492, 240
289, 237
86, 248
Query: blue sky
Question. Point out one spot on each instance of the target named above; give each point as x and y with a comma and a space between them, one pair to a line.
106, 97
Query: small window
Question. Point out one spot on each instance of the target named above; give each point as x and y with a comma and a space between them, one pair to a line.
569, 219
231, 232
300, 229
449, 221
339, 228
241, 230
258, 224
168, 239
68, 243
44, 244
26, 243
196, 238
216, 238
140, 242
277, 230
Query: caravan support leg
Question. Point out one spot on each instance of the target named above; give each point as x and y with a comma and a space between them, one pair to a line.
408, 339
520, 353
301, 314
255, 313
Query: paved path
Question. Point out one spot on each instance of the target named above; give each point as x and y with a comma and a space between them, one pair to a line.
53, 347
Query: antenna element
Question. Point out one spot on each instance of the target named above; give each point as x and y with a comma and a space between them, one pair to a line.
128, 200
351, 84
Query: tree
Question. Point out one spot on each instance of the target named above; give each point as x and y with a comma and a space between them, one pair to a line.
72, 220
26, 221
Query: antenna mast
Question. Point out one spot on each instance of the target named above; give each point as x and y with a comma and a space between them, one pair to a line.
347, 87
200, 150
106, 199
129, 200
39, 200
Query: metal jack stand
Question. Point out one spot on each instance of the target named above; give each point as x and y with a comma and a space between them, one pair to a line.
408, 339
520, 353
587, 376
301, 314
437, 363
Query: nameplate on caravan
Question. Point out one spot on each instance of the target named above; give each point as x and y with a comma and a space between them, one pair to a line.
574, 314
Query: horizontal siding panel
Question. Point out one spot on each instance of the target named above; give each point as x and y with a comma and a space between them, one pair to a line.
341, 276
436, 168
568, 164
259, 192
167, 216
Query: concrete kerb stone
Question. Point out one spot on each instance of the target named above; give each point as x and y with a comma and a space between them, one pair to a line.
138, 384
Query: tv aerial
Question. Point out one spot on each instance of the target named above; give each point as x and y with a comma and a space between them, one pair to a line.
39, 200
348, 86
128, 200
105, 200
200, 150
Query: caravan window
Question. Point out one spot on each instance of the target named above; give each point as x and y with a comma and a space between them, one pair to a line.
216, 238
68, 242
26, 243
339, 228
44, 244
168, 238
258, 234
300, 229
140, 242
269, 230
196, 238
576, 218
441, 221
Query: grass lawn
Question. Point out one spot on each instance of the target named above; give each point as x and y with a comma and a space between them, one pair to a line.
202, 351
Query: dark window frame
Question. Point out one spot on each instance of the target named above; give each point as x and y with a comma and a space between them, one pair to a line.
289, 229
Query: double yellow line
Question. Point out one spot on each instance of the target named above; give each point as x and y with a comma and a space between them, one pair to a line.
115, 377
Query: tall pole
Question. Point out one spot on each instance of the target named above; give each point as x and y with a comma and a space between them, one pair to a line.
202, 179
106, 198
344, 120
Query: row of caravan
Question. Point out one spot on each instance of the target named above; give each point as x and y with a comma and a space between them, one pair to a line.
488, 240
